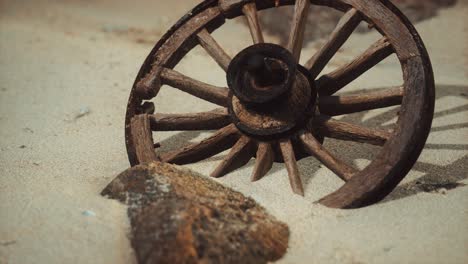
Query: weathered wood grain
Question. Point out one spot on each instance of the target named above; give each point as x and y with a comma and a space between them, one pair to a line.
298, 25
210, 120
291, 166
314, 148
230, 6
143, 138
251, 14
332, 128
392, 24
214, 49
239, 155
149, 86
338, 37
264, 160
223, 139
168, 51
208, 92
347, 104
332, 82
183, 39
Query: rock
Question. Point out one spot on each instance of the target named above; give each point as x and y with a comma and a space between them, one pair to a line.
178, 216
84, 111
88, 213
28, 130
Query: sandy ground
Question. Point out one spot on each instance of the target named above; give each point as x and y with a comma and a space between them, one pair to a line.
66, 68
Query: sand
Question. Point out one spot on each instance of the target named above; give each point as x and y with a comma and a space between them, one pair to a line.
66, 69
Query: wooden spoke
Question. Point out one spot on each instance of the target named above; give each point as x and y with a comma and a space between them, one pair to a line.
220, 141
339, 105
239, 155
264, 160
296, 38
210, 93
214, 49
143, 138
338, 37
291, 165
214, 119
332, 82
250, 12
346, 131
313, 147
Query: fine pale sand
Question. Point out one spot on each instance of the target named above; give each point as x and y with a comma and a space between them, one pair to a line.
66, 68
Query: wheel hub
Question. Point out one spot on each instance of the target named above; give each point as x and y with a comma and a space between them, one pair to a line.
271, 93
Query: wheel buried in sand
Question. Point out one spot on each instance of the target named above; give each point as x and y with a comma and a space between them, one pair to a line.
278, 110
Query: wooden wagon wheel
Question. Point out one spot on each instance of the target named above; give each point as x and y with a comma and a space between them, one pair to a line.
276, 109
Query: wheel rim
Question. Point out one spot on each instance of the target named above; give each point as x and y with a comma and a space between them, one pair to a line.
399, 151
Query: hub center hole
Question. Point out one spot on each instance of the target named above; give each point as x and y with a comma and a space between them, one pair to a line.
266, 72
